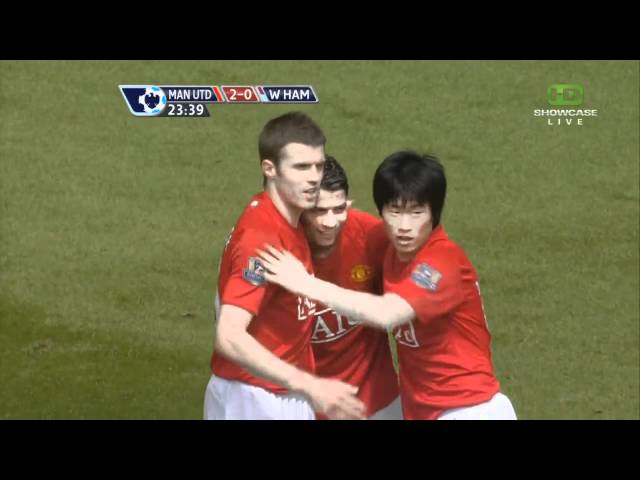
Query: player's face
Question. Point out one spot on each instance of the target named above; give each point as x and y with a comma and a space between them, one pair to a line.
323, 223
299, 173
408, 227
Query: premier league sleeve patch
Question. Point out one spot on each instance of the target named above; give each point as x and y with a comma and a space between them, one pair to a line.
254, 273
425, 276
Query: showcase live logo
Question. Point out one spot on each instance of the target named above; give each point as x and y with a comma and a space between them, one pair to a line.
569, 96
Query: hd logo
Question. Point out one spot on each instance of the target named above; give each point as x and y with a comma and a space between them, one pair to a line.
144, 100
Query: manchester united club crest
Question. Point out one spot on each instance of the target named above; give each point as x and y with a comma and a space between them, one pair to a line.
361, 273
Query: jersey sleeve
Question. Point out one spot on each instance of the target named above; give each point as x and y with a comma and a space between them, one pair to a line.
246, 286
434, 287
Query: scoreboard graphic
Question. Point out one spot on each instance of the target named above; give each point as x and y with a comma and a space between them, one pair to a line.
192, 100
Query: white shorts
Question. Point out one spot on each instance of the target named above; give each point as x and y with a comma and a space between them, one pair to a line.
232, 400
498, 408
393, 411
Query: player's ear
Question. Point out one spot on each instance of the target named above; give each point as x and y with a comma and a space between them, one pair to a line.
349, 202
268, 168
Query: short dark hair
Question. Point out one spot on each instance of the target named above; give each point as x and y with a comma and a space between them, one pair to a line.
408, 176
334, 177
292, 127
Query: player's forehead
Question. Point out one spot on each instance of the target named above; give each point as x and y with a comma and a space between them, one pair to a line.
293, 153
405, 203
328, 200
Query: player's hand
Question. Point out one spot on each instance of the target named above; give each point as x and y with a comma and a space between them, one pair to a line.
283, 269
336, 399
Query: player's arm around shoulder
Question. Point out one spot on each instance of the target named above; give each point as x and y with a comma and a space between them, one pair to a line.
386, 311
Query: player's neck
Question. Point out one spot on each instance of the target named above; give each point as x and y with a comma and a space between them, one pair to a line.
290, 213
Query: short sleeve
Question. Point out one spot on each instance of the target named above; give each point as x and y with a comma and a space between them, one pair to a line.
246, 286
433, 288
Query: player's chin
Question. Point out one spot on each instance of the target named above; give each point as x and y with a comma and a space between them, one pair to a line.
325, 242
404, 247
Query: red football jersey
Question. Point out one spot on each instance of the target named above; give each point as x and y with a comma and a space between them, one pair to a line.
444, 354
344, 349
282, 321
